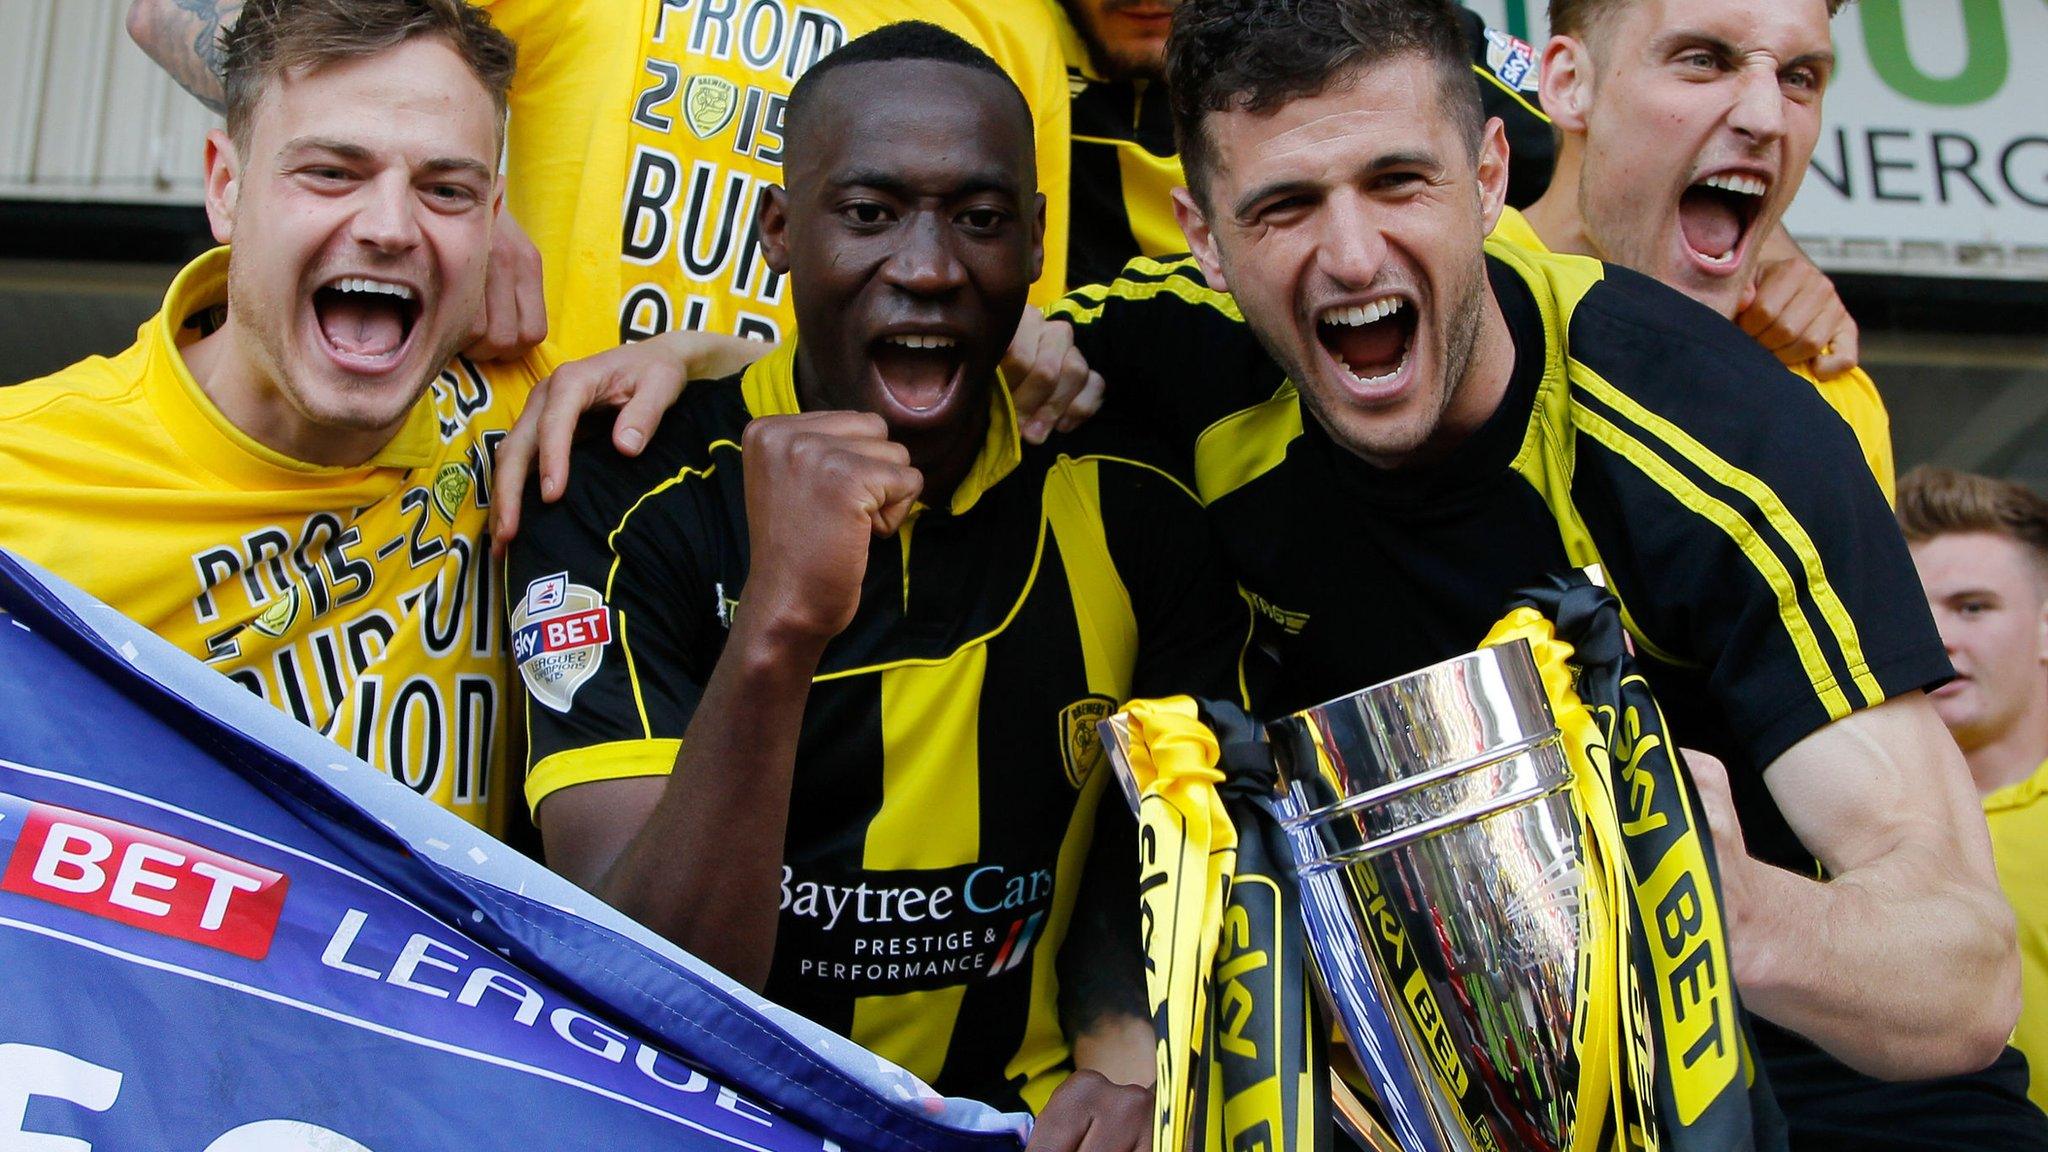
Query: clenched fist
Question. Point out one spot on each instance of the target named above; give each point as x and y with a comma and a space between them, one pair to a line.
820, 486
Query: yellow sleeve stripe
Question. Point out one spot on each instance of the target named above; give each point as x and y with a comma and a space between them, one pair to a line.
1487, 75
1738, 529
1246, 444
611, 576
1085, 306
619, 760
1840, 623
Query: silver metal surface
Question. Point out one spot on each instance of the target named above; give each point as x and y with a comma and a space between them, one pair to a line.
1439, 863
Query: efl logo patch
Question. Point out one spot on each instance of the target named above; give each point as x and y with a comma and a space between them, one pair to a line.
708, 104
559, 633
1080, 741
1513, 60
146, 880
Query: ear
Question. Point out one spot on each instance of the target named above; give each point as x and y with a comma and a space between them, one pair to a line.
1195, 226
1566, 88
1038, 237
1493, 172
223, 184
773, 220
2041, 633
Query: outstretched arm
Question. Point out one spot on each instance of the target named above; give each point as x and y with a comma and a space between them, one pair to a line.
183, 37
1903, 963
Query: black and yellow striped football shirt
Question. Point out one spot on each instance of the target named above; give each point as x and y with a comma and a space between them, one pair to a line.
1758, 564
948, 771
1125, 166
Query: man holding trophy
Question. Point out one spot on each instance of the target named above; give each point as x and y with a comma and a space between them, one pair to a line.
1448, 423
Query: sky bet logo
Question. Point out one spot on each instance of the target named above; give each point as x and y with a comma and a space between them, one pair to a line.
145, 880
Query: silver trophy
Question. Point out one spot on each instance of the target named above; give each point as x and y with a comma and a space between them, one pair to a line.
1438, 859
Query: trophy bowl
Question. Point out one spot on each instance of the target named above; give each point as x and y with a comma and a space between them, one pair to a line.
1438, 857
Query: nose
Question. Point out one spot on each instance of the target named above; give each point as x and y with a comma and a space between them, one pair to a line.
923, 263
1352, 249
1759, 111
387, 217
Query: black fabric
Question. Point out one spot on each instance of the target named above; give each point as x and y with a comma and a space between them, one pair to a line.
1110, 115
663, 539
1358, 575
1834, 1109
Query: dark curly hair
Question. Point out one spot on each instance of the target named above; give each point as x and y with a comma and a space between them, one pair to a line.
1255, 55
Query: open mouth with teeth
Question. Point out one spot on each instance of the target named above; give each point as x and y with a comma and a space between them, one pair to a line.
1715, 217
367, 323
917, 371
1371, 340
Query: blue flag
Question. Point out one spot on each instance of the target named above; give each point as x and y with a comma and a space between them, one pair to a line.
221, 933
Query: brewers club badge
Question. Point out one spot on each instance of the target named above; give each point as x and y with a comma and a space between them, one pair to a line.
708, 103
559, 633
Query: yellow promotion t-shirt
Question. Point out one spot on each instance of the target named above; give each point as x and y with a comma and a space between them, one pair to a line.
360, 600
643, 133
2018, 815
1853, 394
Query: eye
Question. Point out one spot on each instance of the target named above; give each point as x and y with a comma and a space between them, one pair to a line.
864, 213
1397, 181
452, 195
327, 173
1699, 60
1804, 79
984, 219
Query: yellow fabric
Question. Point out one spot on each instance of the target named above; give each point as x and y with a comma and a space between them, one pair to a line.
360, 599
2018, 817
608, 90
1189, 844
769, 387
1853, 394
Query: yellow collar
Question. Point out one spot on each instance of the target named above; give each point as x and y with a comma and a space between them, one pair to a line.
192, 418
1514, 228
2021, 794
769, 389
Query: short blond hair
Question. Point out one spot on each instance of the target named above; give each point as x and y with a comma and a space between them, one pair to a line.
275, 37
1942, 501
1573, 17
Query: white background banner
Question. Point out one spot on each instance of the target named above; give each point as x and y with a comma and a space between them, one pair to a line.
1933, 160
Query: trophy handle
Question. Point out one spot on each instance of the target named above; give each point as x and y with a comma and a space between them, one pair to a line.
1353, 1116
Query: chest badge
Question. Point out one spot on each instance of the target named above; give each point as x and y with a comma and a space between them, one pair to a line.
1080, 744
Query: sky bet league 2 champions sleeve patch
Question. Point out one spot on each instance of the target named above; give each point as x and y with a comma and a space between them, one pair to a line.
559, 633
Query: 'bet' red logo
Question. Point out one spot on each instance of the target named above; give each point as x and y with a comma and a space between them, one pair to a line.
146, 880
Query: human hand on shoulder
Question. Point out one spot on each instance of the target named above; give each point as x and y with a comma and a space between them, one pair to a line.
820, 486
1050, 382
1090, 1113
642, 379
1793, 310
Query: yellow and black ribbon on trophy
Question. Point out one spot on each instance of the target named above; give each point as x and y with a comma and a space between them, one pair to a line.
1242, 1055
1664, 1049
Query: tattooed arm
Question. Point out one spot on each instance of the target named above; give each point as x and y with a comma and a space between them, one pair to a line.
183, 36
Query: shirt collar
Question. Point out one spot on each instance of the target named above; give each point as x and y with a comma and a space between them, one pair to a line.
2020, 794
192, 418
1514, 228
769, 389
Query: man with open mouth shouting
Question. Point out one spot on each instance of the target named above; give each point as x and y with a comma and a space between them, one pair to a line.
288, 474
1438, 420
1685, 131
814, 678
